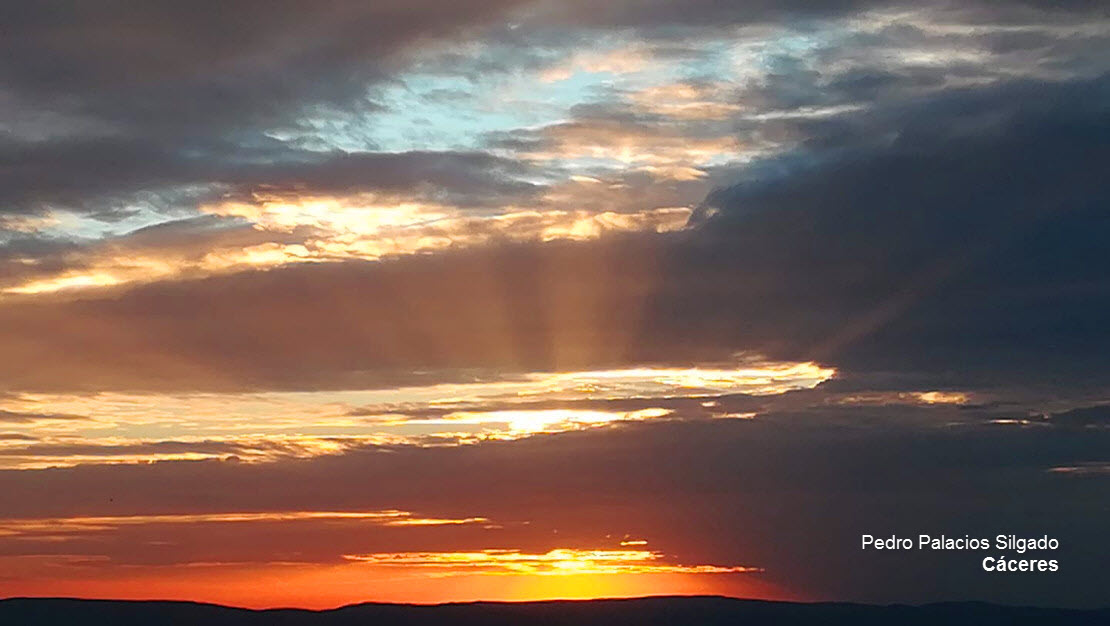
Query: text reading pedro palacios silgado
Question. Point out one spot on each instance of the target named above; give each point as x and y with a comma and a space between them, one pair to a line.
1002, 549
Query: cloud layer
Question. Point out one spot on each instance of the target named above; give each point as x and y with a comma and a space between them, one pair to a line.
550, 298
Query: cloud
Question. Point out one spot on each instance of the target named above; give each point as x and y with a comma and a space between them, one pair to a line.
709, 13
136, 102
935, 237
757, 492
669, 151
1097, 416
557, 562
49, 527
925, 236
130, 61
458, 310
89, 174
304, 230
20, 417
1085, 470
265, 427
87, 448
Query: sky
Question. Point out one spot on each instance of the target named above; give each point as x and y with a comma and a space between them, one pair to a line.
306, 304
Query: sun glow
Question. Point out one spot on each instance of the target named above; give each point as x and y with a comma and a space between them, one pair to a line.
556, 562
523, 422
761, 378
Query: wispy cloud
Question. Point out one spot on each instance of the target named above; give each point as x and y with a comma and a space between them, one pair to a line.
260, 427
556, 562
62, 526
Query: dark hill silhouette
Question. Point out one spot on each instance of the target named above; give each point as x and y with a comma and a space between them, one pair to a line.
639, 611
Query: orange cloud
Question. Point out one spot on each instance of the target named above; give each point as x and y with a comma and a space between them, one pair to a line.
296, 230
57, 526
261, 427
556, 562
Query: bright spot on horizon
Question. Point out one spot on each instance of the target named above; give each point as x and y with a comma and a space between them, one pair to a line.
556, 562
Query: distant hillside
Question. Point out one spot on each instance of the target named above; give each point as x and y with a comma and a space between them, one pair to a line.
657, 610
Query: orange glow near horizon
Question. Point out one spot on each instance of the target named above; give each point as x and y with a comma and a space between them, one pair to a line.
324, 586
170, 557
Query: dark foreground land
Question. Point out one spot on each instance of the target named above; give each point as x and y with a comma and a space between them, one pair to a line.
658, 610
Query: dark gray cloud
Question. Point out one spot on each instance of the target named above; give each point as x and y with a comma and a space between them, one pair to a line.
134, 97
101, 173
22, 417
664, 15
158, 65
958, 232
1083, 417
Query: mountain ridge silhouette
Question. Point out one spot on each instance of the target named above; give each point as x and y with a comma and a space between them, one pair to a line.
708, 610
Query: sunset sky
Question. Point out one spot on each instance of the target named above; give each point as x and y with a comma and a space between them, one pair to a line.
313, 303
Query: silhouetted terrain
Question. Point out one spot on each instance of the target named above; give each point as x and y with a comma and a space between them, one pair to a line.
658, 610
